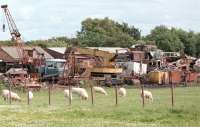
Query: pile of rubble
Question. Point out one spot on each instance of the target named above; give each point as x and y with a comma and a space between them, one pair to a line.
158, 66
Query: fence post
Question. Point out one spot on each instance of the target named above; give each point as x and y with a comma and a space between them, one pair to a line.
70, 94
28, 97
10, 99
186, 75
49, 91
172, 91
142, 88
172, 88
116, 95
92, 94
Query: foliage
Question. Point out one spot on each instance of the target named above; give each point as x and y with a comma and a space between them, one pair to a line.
197, 45
166, 39
6, 43
172, 39
108, 33
53, 42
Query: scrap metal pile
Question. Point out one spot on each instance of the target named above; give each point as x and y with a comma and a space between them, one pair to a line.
145, 63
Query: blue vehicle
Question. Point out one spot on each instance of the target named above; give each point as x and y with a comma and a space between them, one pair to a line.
52, 68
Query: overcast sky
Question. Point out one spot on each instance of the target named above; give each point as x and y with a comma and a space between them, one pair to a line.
41, 19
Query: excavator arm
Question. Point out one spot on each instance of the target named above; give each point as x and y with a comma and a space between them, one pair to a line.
106, 58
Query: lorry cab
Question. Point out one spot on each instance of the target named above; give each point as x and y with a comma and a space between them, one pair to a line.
52, 68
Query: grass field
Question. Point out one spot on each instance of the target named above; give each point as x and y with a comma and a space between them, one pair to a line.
129, 112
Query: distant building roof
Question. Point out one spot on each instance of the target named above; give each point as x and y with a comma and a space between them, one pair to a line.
12, 51
59, 49
111, 49
56, 60
144, 47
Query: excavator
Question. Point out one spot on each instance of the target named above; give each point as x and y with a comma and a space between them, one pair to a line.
91, 63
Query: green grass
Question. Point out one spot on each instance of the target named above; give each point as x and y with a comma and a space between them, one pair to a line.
128, 113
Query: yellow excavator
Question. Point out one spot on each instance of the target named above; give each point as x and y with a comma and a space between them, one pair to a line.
93, 63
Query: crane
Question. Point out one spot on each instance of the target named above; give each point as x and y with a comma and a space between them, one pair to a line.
15, 34
31, 59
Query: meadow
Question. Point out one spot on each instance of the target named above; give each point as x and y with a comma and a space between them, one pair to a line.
104, 113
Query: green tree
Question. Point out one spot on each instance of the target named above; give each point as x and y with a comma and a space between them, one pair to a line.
7, 43
166, 39
106, 32
53, 42
197, 45
189, 40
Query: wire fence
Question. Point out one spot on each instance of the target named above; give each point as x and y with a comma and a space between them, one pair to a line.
167, 94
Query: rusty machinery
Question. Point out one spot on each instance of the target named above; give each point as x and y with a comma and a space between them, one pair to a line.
86, 63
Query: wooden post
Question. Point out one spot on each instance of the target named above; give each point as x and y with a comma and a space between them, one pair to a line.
53, 81
49, 91
10, 99
28, 99
142, 88
172, 92
186, 74
98, 82
116, 95
172, 88
140, 65
70, 94
92, 94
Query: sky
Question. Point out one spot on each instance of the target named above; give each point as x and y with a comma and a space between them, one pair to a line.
43, 19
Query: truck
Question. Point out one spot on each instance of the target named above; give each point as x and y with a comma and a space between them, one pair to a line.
53, 68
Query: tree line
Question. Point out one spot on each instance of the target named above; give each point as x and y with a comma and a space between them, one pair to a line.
109, 33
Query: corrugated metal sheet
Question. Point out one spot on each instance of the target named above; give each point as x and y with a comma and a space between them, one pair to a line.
158, 77
11, 51
192, 76
177, 76
40, 50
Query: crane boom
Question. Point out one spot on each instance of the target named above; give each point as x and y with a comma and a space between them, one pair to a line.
15, 34
11, 24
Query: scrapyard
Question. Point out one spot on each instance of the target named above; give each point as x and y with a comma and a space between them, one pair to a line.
107, 75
